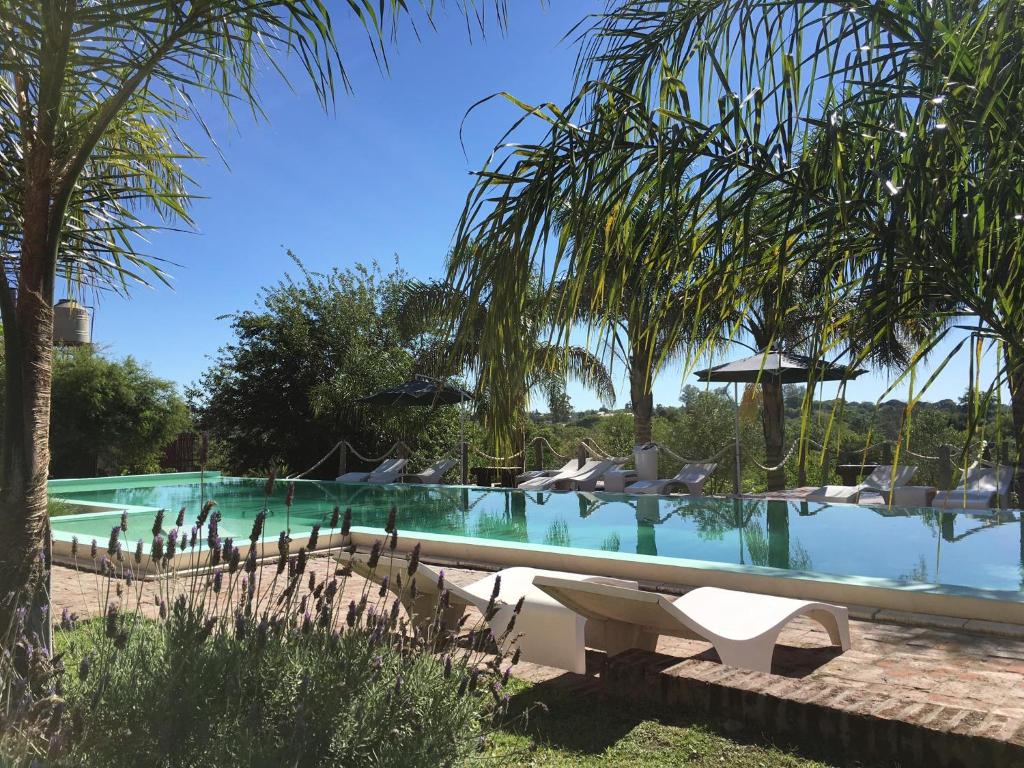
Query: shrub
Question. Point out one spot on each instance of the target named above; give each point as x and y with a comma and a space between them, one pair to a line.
249, 665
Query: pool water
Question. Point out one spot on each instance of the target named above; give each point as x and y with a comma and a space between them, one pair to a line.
982, 551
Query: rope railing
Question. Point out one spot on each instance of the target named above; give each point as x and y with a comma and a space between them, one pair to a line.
488, 457
683, 460
393, 449
544, 441
782, 463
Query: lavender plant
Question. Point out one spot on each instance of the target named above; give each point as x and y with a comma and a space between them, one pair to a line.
235, 661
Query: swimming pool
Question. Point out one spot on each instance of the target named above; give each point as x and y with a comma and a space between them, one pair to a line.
914, 546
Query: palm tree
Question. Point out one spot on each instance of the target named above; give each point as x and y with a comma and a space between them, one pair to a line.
889, 131
91, 95
527, 361
644, 323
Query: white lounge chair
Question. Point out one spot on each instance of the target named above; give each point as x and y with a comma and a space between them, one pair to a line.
693, 476
979, 488
882, 480
586, 479
742, 626
572, 465
547, 632
432, 474
391, 474
386, 467
547, 482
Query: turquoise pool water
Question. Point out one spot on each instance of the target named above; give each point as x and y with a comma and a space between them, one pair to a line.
915, 545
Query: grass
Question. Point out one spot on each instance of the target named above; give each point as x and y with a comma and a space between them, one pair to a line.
589, 731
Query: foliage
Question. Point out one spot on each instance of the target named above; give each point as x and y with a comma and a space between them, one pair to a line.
880, 142
283, 391
110, 416
251, 665
443, 325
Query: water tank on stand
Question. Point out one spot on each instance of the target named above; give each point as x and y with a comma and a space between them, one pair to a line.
72, 325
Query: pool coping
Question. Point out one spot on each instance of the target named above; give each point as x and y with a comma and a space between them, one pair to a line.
889, 595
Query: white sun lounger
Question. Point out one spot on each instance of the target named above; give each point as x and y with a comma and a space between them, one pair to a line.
547, 632
548, 482
432, 474
387, 467
693, 476
586, 479
742, 626
881, 481
572, 465
980, 488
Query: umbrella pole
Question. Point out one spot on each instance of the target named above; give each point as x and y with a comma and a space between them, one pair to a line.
736, 444
462, 439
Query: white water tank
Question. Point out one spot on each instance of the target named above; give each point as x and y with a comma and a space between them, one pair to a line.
71, 324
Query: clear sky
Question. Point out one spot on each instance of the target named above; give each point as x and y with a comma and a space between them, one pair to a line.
382, 176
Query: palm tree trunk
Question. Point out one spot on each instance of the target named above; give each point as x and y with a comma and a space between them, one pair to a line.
773, 420
1015, 375
641, 400
24, 451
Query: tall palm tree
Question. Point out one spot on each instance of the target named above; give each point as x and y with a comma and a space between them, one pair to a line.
75, 79
527, 361
890, 131
644, 323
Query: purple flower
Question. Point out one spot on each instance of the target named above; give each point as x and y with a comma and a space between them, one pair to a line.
138, 552
346, 522
193, 537
350, 617
307, 623
289, 496
414, 560
205, 512
163, 609
156, 551
394, 540
314, 536
93, 549
335, 514
312, 580
124, 521
215, 551
384, 587
84, 666
233, 560
111, 622
389, 525
257, 526
300, 565
212, 530
172, 543
158, 522
250, 561
179, 522
74, 546
374, 558
218, 581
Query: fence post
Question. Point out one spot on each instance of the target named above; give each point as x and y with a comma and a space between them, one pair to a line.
538, 453
464, 461
342, 458
945, 477
581, 455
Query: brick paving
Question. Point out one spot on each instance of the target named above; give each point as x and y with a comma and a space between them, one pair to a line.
922, 695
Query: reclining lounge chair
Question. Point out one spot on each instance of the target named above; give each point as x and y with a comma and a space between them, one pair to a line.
548, 633
742, 626
693, 476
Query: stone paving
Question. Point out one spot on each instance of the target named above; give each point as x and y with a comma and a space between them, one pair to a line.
923, 695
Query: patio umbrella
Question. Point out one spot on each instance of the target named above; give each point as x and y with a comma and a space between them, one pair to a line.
783, 367
424, 391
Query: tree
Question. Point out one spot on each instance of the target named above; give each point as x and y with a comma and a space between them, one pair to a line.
110, 416
284, 391
888, 132
91, 96
636, 307
446, 326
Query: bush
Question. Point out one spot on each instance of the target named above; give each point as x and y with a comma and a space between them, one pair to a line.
249, 667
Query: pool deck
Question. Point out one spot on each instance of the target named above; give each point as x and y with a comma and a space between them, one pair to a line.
910, 694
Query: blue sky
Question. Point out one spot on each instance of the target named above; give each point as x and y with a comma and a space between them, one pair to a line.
383, 175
